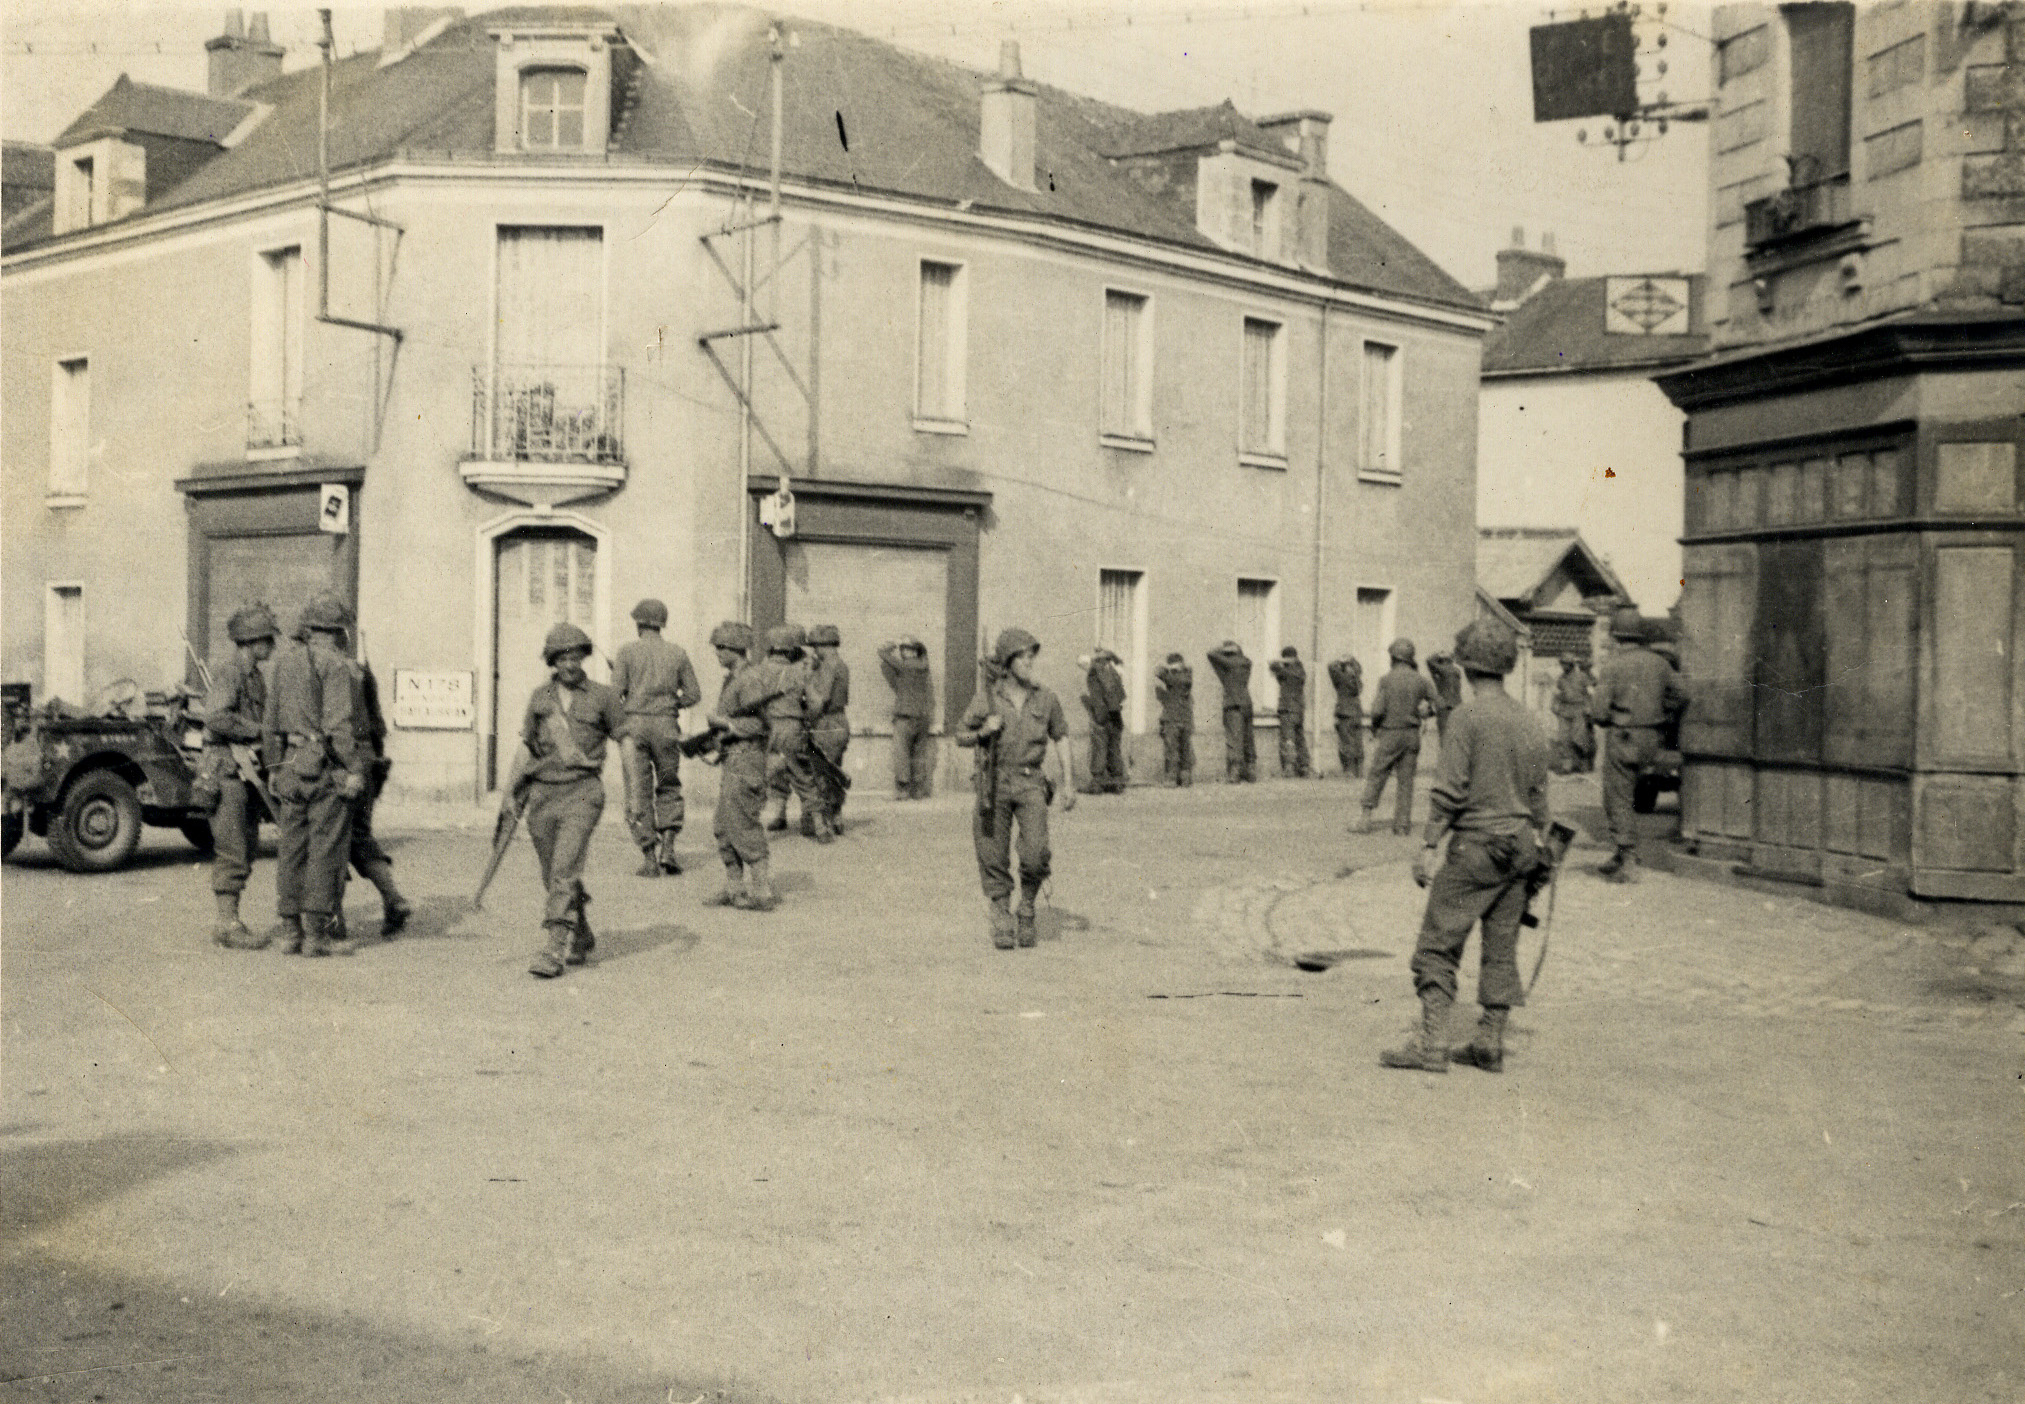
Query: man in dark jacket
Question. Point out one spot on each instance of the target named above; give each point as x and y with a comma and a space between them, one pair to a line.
1292, 676
1234, 671
1402, 700
1176, 692
1346, 675
905, 664
1636, 693
1104, 699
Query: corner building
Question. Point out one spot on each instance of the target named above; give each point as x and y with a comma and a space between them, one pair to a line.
1147, 381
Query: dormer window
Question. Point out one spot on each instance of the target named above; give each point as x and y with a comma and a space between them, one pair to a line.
81, 192
552, 109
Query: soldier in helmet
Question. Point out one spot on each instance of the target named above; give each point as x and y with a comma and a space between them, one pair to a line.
557, 782
1635, 694
655, 682
1571, 706
904, 661
233, 710
368, 858
316, 770
829, 695
1346, 676
740, 718
1240, 748
1292, 676
1490, 800
788, 767
1176, 690
1402, 700
1015, 719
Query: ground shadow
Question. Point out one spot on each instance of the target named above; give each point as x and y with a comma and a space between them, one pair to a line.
48, 1182
434, 918
619, 945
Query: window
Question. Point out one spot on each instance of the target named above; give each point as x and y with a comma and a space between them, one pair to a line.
1378, 416
275, 397
63, 645
1821, 37
1258, 630
1121, 626
1371, 630
70, 430
1262, 413
1265, 219
552, 109
939, 357
1128, 368
82, 191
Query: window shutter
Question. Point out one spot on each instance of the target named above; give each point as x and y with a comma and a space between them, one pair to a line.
937, 293
1258, 387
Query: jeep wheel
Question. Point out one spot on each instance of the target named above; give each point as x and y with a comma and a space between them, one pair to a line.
98, 825
10, 834
198, 832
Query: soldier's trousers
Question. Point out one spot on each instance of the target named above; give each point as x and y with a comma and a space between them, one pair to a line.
560, 818
1350, 744
1240, 749
1177, 745
741, 796
364, 849
311, 849
1107, 754
1395, 751
1484, 879
787, 764
1578, 743
913, 757
651, 757
832, 739
235, 834
1629, 750
1293, 745
1022, 801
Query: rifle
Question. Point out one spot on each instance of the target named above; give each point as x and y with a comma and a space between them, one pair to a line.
705, 744
503, 829
1559, 836
987, 757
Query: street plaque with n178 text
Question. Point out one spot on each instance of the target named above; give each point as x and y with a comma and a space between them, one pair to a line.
433, 701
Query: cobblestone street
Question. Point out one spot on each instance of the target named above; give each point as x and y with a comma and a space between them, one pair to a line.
1745, 1146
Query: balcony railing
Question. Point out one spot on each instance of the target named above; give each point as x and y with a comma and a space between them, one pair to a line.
273, 424
548, 414
1797, 212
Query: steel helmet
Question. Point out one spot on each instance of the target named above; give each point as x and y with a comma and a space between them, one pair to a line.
1627, 623
326, 611
1486, 646
824, 634
1400, 650
1290, 652
1011, 644
564, 638
652, 613
732, 634
255, 621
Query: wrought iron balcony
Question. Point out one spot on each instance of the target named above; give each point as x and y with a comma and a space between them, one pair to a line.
1796, 213
548, 414
273, 424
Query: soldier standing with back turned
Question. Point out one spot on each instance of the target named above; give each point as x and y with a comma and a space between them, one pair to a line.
233, 709
1240, 749
1635, 694
1292, 676
315, 771
905, 664
1104, 698
655, 682
1402, 700
1177, 719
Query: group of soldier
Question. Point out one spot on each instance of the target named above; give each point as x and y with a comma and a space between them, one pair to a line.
306, 737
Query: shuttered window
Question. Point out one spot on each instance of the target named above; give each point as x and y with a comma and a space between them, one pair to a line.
1378, 412
276, 392
939, 373
70, 428
1118, 629
1128, 389
1262, 411
1820, 37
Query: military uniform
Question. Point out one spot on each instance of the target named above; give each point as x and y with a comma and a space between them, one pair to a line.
1012, 789
1105, 701
1346, 675
368, 858
788, 767
829, 701
1400, 702
741, 789
1448, 689
1240, 749
1636, 692
655, 682
235, 707
1571, 706
913, 719
1177, 720
1292, 676
315, 771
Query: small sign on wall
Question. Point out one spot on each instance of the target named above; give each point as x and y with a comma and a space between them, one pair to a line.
433, 701
334, 510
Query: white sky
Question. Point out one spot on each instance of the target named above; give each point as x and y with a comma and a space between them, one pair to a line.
1432, 103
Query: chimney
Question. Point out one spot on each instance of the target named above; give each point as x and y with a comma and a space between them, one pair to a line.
1520, 270
242, 57
405, 28
1306, 135
1005, 137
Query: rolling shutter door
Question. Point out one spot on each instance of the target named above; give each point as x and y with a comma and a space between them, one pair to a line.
283, 571
873, 594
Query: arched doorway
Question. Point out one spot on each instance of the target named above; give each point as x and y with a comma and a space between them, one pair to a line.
541, 576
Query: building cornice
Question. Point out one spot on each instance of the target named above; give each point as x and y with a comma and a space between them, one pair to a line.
1052, 233
1926, 342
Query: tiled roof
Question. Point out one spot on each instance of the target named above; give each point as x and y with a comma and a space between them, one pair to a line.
1190, 129
1514, 562
142, 107
859, 114
1561, 328
28, 166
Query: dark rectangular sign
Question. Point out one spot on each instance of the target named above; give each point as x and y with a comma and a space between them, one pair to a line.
1584, 68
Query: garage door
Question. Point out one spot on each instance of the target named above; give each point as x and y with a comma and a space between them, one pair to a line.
873, 594
283, 571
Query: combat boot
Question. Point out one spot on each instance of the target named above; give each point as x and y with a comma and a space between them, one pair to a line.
825, 827
759, 895
733, 889
231, 932
1023, 921
1002, 928
1367, 819
549, 960
1487, 1049
776, 822
666, 856
1610, 866
394, 908
341, 942
289, 931
316, 936
582, 939
650, 861
808, 823
1428, 1049
1622, 868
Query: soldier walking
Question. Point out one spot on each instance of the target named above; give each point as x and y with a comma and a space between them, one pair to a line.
1013, 719
1104, 699
829, 694
1490, 800
557, 783
1292, 676
1176, 691
655, 682
1636, 693
740, 721
1346, 675
905, 664
787, 718
234, 707
1240, 750
368, 858
315, 771
1402, 700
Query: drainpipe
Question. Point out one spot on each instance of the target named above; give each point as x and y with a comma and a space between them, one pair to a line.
1315, 661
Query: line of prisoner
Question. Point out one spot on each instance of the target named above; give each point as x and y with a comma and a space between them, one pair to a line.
780, 726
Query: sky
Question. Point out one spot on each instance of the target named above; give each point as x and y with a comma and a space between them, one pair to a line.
1432, 102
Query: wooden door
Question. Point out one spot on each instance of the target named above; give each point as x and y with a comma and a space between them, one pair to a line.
540, 579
